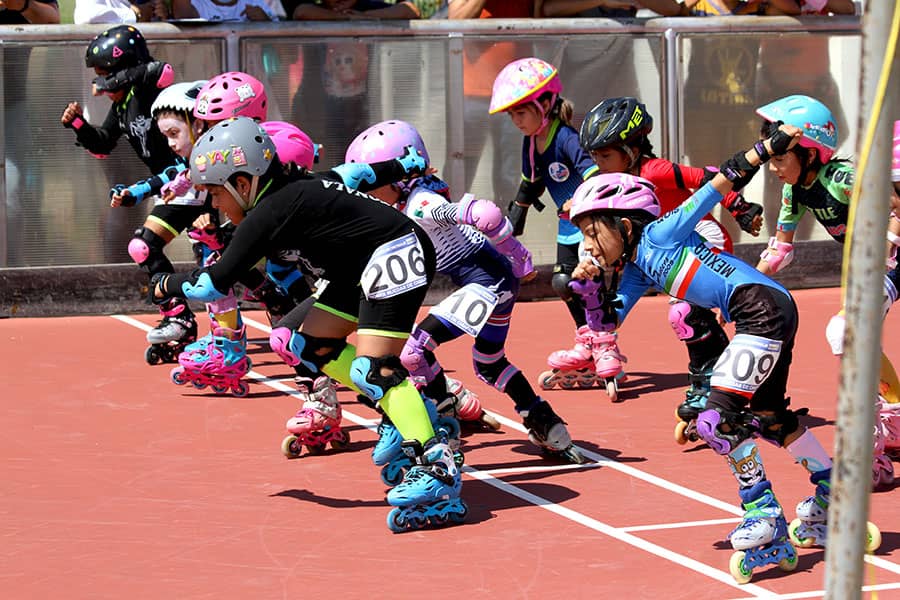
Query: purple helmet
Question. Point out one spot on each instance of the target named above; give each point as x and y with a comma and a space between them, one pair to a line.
291, 143
232, 94
614, 194
385, 141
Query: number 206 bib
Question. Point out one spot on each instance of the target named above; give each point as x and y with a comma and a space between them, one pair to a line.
395, 267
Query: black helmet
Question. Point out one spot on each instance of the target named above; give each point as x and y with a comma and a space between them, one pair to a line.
116, 49
615, 121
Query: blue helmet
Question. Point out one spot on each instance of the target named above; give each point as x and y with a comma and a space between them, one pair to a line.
811, 116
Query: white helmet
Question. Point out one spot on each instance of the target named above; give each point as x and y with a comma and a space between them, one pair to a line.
178, 97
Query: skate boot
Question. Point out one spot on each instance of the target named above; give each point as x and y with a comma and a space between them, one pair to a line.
548, 432
810, 528
176, 329
201, 344
695, 398
388, 452
465, 407
221, 366
429, 492
318, 422
762, 537
882, 467
608, 362
573, 367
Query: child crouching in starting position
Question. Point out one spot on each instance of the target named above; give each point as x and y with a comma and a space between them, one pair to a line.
618, 215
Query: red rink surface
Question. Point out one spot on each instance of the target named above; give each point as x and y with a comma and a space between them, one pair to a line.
118, 484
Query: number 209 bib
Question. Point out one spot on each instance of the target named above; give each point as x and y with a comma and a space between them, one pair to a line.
395, 267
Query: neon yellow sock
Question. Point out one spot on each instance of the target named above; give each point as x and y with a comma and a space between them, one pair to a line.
228, 319
402, 404
889, 386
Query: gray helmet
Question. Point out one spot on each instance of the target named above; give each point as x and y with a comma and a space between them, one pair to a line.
178, 97
238, 145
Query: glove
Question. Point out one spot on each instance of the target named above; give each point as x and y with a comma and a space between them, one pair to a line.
482, 214
745, 212
517, 215
834, 333
593, 298
208, 236
178, 185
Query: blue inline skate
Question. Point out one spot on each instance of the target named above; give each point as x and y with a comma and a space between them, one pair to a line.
762, 537
389, 455
695, 398
429, 493
810, 528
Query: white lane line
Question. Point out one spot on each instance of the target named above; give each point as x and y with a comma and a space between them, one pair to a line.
617, 533
658, 526
820, 593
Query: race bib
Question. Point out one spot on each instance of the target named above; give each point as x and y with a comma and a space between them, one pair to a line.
468, 308
395, 267
746, 363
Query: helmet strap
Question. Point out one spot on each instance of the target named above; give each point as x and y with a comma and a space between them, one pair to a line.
237, 196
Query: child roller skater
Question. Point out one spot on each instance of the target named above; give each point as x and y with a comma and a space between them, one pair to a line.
528, 90
133, 79
618, 215
476, 249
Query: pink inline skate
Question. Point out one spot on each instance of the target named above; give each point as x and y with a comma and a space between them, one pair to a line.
220, 365
318, 422
595, 359
467, 406
887, 442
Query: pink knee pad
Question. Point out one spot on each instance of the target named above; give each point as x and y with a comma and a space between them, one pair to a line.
138, 250
678, 312
280, 342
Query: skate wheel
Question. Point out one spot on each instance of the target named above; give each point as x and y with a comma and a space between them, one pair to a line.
315, 449
680, 437
341, 443
219, 389
586, 382
545, 380
490, 421
740, 573
460, 517
612, 389
396, 522
568, 384
873, 538
794, 536
574, 456
241, 390
198, 385
151, 356
177, 376
289, 447
788, 564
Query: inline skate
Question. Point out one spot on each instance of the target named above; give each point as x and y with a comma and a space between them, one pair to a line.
388, 452
547, 431
887, 442
221, 365
177, 329
762, 537
318, 422
810, 528
464, 405
595, 359
695, 398
429, 492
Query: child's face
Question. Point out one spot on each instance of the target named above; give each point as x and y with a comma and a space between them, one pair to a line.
116, 96
603, 242
610, 160
526, 118
223, 200
786, 167
177, 132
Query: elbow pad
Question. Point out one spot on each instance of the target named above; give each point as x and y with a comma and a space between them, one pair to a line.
778, 254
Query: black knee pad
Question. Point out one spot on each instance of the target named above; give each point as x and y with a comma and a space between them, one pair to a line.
560, 284
779, 426
146, 249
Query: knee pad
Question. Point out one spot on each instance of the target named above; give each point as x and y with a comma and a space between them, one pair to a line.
146, 249
724, 430
295, 347
560, 284
495, 370
414, 356
691, 323
775, 428
365, 372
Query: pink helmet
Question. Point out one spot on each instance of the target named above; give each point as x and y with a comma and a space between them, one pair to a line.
232, 94
614, 194
291, 143
895, 157
385, 141
524, 80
